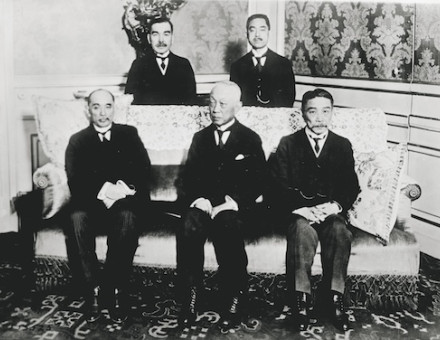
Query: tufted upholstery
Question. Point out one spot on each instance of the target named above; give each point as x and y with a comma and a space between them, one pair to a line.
167, 131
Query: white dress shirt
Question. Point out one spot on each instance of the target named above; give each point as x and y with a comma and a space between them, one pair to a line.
103, 132
259, 54
166, 62
321, 140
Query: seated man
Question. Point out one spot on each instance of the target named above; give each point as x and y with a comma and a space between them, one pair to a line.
223, 177
108, 169
315, 185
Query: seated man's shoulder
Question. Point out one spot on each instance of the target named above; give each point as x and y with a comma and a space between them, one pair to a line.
248, 132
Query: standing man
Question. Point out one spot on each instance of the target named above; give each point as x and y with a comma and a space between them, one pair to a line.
223, 177
161, 77
316, 184
265, 78
108, 175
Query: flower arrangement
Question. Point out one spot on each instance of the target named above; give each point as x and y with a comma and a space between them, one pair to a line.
137, 16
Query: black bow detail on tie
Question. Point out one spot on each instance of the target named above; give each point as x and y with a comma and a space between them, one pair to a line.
102, 135
317, 147
220, 134
259, 65
162, 64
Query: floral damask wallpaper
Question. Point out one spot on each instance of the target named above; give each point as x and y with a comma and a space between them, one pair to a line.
350, 39
211, 34
361, 40
427, 43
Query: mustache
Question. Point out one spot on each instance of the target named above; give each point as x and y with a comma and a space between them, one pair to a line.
161, 45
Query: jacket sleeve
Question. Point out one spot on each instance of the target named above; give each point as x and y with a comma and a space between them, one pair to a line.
348, 180
83, 185
142, 167
189, 85
133, 79
286, 94
285, 194
191, 176
251, 182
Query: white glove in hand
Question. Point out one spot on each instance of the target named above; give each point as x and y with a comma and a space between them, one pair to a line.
110, 193
203, 204
229, 204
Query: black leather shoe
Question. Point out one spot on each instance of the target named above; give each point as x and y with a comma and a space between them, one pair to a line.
300, 310
232, 314
339, 315
119, 309
188, 315
93, 312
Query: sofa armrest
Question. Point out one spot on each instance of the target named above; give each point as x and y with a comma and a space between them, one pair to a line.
410, 187
412, 191
52, 181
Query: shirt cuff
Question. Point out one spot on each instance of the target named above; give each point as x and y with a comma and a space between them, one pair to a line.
193, 204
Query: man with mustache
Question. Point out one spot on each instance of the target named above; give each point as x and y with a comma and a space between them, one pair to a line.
315, 184
266, 79
161, 77
108, 173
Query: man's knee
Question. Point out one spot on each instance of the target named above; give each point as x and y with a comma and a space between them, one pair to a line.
339, 229
79, 219
126, 220
193, 221
299, 228
227, 220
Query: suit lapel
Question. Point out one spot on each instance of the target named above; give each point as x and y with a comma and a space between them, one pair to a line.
233, 138
327, 146
307, 147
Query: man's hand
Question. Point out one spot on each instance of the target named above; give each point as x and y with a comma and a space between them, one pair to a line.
319, 213
115, 192
203, 204
229, 204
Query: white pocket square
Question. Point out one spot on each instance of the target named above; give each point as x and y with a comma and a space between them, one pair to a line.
239, 157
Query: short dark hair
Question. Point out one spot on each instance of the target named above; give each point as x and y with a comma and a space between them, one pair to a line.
257, 16
309, 95
97, 90
158, 21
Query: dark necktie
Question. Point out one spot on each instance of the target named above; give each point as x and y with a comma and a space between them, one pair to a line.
102, 136
220, 141
162, 64
317, 148
259, 65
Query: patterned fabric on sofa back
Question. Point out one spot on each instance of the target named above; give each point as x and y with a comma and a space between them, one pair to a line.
167, 131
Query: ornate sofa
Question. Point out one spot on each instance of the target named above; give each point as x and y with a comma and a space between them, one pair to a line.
383, 269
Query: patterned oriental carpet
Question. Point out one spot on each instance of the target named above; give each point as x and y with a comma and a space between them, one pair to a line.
54, 314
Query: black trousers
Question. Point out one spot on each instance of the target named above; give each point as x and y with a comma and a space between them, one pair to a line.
302, 241
225, 231
119, 223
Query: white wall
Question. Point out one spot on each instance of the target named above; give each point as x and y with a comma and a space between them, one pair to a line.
412, 110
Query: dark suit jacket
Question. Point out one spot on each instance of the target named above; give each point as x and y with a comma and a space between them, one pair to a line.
213, 173
148, 86
277, 80
90, 163
302, 180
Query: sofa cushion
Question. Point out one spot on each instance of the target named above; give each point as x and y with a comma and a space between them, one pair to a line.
375, 209
58, 119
